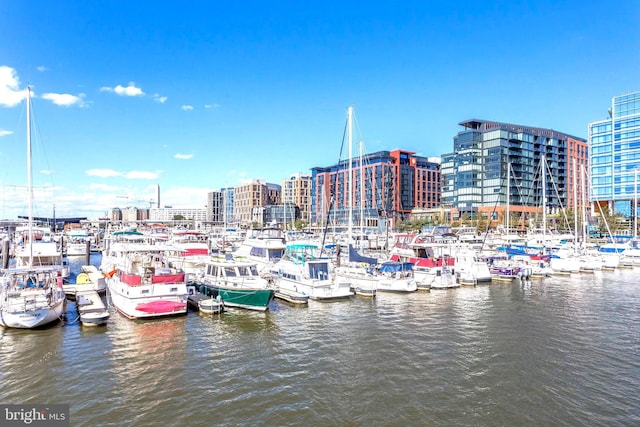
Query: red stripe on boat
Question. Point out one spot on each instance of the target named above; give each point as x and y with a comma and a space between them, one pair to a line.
159, 307
195, 251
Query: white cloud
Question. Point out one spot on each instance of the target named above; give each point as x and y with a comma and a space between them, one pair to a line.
130, 90
210, 106
110, 173
10, 93
102, 173
65, 99
142, 175
5, 132
47, 172
42, 68
159, 99
103, 187
185, 197
187, 107
183, 156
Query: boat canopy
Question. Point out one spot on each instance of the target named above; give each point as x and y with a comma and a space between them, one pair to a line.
354, 256
394, 267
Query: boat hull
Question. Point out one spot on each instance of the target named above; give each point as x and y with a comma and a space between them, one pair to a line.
317, 290
251, 299
210, 306
94, 319
135, 307
292, 297
30, 319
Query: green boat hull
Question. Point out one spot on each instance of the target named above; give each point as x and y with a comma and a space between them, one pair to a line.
252, 299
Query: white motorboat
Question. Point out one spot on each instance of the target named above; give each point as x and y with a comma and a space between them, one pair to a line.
302, 270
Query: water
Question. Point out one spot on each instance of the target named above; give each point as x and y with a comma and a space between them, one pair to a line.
560, 351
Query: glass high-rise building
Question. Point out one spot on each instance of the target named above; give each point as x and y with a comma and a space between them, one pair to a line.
614, 148
496, 164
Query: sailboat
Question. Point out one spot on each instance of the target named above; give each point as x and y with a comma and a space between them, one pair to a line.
359, 271
365, 274
31, 295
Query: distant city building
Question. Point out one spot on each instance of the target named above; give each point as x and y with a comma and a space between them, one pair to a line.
115, 214
215, 207
274, 194
130, 214
297, 191
385, 184
169, 214
252, 195
489, 157
228, 200
615, 156
284, 216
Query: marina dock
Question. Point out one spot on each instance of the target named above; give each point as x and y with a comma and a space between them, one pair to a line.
203, 303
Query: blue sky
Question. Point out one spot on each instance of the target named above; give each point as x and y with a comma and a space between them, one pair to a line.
199, 95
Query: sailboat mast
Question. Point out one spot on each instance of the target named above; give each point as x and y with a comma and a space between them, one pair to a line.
350, 169
29, 177
575, 202
508, 194
544, 199
361, 198
585, 231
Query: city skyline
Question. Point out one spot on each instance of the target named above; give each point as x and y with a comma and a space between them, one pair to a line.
194, 100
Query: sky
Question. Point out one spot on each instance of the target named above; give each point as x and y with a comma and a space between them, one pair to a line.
200, 95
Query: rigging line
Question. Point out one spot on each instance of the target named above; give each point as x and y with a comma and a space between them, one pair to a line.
520, 195
554, 185
486, 232
332, 190
41, 151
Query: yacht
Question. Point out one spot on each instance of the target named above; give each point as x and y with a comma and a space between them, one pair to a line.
303, 270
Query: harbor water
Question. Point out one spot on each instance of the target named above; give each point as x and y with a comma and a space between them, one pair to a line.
557, 351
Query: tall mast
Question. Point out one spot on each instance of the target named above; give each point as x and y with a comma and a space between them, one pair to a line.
350, 178
544, 199
508, 195
29, 177
361, 199
585, 232
575, 201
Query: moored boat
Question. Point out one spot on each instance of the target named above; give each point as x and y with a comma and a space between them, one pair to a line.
91, 309
238, 283
303, 270
142, 284
31, 294
30, 297
210, 306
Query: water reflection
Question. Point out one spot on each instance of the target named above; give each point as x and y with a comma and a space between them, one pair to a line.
31, 362
557, 351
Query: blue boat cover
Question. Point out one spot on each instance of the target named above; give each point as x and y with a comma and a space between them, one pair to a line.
393, 266
354, 256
